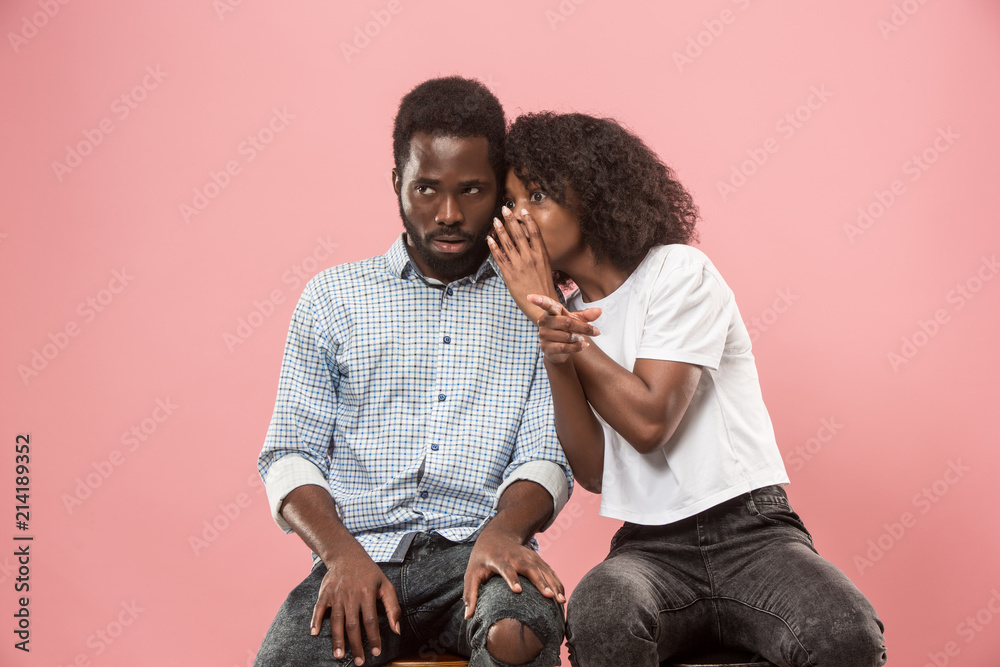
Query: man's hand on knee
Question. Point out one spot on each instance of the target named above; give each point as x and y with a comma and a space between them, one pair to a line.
351, 587
353, 583
523, 509
496, 553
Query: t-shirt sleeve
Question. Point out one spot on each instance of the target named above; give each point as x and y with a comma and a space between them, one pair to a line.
687, 319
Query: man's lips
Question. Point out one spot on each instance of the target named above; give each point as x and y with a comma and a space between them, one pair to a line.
450, 243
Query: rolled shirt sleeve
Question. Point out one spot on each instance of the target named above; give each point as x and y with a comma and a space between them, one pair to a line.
538, 456
295, 451
547, 473
288, 473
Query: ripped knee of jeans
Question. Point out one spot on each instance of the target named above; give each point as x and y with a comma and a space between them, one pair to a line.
513, 642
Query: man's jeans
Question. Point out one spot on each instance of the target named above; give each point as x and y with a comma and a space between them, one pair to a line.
743, 575
429, 584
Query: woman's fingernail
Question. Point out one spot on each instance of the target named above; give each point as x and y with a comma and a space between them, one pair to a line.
314, 631
506, 211
376, 651
576, 338
497, 223
338, 653
597, 332
524, 211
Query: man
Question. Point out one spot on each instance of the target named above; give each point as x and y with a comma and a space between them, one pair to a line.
412, 445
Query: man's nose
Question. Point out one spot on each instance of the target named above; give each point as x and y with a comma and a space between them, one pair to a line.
450, 212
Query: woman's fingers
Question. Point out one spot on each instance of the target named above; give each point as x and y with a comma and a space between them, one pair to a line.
504, 231
559, 353
534, 234
561, 342
559, 318
514, 229
567, 325
553, 307
501, 235
502, 239
498, 254
588, 314
560, 336
548, 304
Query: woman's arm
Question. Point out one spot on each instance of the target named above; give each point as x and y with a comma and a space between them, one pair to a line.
524, 264
645, 405
580, 434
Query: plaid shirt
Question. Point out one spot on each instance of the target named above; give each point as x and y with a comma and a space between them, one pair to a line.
413, 402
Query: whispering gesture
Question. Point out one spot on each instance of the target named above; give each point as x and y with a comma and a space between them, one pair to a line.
520, 253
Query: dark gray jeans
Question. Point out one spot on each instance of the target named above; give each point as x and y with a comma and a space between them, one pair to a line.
742, 575
429, 584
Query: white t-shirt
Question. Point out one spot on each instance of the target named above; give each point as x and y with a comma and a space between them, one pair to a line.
675, 306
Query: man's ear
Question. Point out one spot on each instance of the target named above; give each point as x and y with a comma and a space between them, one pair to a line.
397, 181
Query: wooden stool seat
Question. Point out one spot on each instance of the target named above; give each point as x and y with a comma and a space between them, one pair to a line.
444, 660
721, 659
714, 659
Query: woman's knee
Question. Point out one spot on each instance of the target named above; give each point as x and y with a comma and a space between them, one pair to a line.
606, 601
855, 640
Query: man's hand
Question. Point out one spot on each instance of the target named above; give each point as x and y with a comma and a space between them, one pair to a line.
353, 583
524, 507
351, 587
503, 555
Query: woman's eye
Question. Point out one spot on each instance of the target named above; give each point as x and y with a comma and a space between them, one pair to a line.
509, 203
537, 196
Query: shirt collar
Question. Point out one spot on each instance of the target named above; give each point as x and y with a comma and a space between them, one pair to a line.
401, 265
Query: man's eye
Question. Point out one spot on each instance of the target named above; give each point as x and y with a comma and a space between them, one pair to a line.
537, 196
424, 189
473, 190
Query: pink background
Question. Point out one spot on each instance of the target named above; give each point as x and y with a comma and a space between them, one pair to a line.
831, 301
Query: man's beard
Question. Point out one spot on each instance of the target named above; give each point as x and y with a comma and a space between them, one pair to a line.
452, 268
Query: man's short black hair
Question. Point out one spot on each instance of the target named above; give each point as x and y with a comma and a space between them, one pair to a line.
453, 107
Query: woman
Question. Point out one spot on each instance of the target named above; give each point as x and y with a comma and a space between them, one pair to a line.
662, 415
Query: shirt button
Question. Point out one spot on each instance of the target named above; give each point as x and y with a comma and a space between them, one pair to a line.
423, 494
435, 447
447, 339
441, 397
449, 291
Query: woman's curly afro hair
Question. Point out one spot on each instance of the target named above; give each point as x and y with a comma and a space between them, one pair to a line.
626, 200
